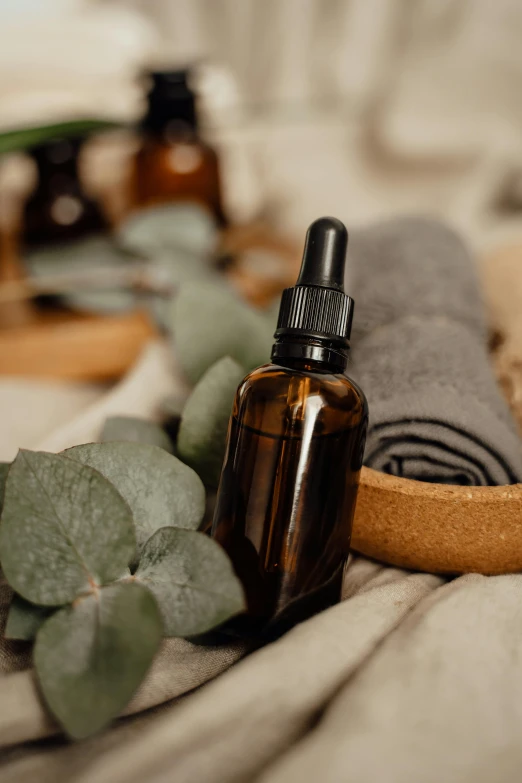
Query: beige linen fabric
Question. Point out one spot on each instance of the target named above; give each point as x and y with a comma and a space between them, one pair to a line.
235, 727
408, 679
441, 701
232, 728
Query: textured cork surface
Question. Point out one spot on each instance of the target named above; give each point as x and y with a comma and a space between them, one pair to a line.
439, 528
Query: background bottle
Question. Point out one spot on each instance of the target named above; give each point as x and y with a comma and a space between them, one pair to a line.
58, 209
173, 162
295, 445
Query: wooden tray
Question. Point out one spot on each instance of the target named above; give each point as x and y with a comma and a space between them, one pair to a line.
75, 347
61, 343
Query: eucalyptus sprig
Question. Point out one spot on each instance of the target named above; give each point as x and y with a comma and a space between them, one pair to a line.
101, 547
100, 543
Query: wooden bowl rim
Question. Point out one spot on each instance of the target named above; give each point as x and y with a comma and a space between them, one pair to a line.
438, 528
462, 494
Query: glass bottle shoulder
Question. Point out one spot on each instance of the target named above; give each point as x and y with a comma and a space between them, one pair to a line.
274, 398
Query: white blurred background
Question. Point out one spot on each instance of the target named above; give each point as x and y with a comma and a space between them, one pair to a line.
359, 108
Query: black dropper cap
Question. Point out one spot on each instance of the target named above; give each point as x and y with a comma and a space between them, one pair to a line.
170, 100
315, 317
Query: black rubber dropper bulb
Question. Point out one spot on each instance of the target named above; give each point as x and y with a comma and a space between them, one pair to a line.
324, 254
315, 317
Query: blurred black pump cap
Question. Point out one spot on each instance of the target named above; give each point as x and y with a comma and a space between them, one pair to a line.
58, 153
170, 100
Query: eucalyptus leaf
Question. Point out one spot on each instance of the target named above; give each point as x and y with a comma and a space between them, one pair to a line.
114, 300
158, 487
128, 428
4, 470
179, 267
192, 579
184, 227
204, 421
91, 657
64, 529
23, 138
271, 313
24, 619
79, 255
209, 322
89, 254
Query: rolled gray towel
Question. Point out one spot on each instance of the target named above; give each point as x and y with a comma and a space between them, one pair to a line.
419, 352
412, 266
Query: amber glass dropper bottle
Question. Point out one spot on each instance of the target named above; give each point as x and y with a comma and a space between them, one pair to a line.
296, 438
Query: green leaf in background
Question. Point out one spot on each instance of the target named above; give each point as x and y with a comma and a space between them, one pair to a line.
24, 619
172, 406
271, 314
92, 256
184, 227
192, 579
80, 255
64, 529
209, 322
158, 487
104, 302
204, 421
91, 657
179, 240
23, 138
4, 470
128, 428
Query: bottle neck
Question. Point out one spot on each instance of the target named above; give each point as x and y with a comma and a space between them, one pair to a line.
171, 118
55, 173
325, 355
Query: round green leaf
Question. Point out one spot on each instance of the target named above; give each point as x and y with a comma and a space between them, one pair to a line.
128, 428
88, 253
96, 301
209, 322
204, 422
24, 619
92, 254
91, 657
182, 227
192, 579
158, 487
4, 470
64, 529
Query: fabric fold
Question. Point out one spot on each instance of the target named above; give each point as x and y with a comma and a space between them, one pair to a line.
239, 724
441, 700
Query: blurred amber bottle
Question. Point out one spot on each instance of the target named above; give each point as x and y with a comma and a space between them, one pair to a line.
58, 209
173, 162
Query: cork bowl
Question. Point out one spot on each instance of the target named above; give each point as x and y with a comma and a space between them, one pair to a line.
439, 528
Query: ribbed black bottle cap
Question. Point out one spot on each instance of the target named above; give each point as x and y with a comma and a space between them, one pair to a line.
170, 99
316, 312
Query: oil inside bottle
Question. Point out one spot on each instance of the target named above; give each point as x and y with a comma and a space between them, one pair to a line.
286, 500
